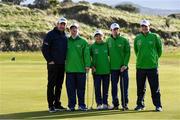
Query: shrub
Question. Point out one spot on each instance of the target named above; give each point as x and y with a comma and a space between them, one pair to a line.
102, 5
127, 7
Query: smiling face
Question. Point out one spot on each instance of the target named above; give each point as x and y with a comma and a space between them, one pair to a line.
98, 38
145, 29
73, 31
115, 32
61, 26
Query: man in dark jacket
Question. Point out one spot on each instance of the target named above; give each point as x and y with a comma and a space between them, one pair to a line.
54, 51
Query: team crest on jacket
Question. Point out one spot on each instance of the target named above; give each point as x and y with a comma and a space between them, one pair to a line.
96, 51
78, 46
119, 45
150, 42
139, 43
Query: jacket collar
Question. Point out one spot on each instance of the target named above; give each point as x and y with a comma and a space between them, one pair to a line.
59, 32
77, 37
114, 38
100, 43
146, 33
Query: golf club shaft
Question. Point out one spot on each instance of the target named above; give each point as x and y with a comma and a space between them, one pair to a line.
122, 79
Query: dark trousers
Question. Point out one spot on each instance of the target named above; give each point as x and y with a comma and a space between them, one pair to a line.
54, 86
75, 85
153, 79
124, 83
101, 81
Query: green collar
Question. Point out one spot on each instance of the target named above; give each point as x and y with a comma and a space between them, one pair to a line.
115, 37
99, 43
78, 37
146, 33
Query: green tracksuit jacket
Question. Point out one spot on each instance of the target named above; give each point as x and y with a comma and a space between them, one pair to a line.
100, 59
78, 55
148, 49
119, 52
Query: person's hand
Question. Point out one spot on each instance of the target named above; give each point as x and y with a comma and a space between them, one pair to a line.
51, 63
93, 69
87, 69
123, 68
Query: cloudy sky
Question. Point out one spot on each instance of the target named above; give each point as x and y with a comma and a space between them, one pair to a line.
160, 4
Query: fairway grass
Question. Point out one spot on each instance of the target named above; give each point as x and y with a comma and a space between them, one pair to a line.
23, 90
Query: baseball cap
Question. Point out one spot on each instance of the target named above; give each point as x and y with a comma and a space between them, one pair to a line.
74, 25
114, 25
98, 32
62, 20
145, 22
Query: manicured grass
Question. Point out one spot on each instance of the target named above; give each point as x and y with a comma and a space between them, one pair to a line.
23, 90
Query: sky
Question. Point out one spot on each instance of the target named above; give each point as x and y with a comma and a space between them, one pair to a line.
160, 4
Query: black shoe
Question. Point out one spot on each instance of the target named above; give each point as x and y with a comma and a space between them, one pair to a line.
59, 108
158, 109
71, 109
139, 108
114, 108
52, 109
82, 108
125, 108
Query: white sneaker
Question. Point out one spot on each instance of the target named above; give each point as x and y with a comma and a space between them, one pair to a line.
158, 109
82, 108
110, 107
99, 107
107, 107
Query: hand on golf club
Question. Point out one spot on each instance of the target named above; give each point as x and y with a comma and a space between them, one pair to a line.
123, 68
93, 69
87, 69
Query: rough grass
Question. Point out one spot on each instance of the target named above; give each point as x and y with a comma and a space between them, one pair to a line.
23, 90
157, 22
16, 18
22, 18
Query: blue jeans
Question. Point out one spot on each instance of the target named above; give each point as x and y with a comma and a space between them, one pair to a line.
75, 85
153, 79
101, 81
124, 83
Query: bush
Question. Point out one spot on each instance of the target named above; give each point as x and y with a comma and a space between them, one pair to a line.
127, 7
84, 2
41, 4
16, 2
53, 3
102, 5
67, 1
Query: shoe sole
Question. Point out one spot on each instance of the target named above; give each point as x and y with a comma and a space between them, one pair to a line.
83, 110
52, 111
124, 109
158, 110
60, 109
140, 109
